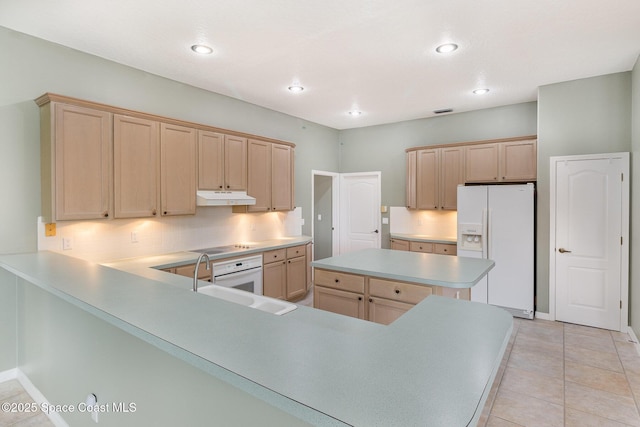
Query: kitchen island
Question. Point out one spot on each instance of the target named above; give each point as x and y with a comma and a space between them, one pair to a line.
191, 359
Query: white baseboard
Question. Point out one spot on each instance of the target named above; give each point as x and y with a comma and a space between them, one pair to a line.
542, 316
39, 398
633, 336
11, 374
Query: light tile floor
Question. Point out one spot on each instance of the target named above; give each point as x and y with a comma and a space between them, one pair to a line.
559, 374
552, 374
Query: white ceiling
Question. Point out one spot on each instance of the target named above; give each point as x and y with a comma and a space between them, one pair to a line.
374, 55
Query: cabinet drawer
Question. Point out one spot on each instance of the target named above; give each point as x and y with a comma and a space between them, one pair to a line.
273, 256
338, 280
398, 291
295, 251
421, 247
445, 249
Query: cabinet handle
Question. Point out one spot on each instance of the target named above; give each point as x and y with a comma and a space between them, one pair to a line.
227, 186
165, 212
397, 291
105, 214
221, 186
360, 299
337, 280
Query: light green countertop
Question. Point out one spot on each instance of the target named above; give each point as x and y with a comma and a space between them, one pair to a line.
425, 238
433, 366
416, 267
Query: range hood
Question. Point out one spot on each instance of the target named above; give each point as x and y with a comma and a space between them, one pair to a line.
223, 198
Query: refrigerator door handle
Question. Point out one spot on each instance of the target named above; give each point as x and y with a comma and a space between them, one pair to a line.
485, 235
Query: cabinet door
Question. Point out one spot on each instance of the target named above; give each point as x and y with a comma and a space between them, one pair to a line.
451, 175
385, 311
398, 291
82, 163
427, 179
296, 278
309, 258
259, 174
178, 169
518, 161
210, 160
399, 245
336, 301
281, 177
136, 167
190, 271
235, 163
463, 294
411, 179
481, 163
274, 279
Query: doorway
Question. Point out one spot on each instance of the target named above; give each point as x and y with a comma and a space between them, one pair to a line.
589, 233
345, 212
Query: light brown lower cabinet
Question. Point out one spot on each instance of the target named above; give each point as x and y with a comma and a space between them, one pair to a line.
399, 245
189, 270
284, 273
372, 298
426, 247
386, 311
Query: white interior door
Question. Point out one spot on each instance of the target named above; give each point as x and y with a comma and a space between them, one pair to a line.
359, 211
591, 228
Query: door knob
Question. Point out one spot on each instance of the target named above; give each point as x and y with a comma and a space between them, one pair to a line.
375, 231
563, 250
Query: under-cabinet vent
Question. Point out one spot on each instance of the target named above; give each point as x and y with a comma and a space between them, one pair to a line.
444, 110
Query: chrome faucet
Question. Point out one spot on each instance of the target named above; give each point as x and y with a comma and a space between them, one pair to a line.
195, 273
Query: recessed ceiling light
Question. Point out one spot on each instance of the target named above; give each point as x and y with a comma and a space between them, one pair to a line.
295, 88
446, 48
201, 49
355, 113
481, 91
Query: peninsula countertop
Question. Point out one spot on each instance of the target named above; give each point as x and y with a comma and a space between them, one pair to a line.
416, 267
433, 366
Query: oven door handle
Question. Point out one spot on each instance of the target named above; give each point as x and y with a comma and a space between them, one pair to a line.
235, 274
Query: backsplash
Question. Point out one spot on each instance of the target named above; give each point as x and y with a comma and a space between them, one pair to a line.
125, 238
426, 223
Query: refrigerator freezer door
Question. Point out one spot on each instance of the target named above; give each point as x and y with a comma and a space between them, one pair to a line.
472, 208
510, 245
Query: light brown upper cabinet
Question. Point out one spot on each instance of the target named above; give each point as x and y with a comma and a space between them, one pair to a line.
178, 153
438, 172
100, 161
411, 180
505, 161
75, 162
136, 167
270, 177
222, 161
518, 160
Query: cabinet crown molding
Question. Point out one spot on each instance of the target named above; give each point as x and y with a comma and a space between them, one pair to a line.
53, 97
462, 144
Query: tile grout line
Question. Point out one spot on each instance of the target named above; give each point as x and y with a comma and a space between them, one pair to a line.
624, 369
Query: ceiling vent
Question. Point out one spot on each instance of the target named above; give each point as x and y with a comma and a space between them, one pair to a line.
444, 110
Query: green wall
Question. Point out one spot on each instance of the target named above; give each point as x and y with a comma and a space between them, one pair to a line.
381, 148
586, 116
634, 259
31, 67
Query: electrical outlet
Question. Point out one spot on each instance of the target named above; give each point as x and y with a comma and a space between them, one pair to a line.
134, 237
67, 244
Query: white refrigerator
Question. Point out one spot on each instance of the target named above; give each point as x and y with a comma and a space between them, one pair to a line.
497, 222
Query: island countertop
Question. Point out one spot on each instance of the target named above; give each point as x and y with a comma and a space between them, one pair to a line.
432, 366
416, 267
